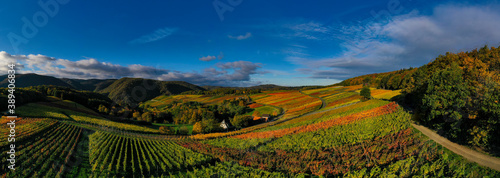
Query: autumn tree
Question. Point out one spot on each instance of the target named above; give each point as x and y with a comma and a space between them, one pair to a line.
183, 130
137, 115
198, 128
366, 80
241, 121
167, 130
445, 99
147, 116
103, 109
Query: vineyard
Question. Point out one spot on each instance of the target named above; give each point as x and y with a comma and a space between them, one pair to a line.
293, 102
114, 155
26, 127
163, 101
383, 110
36, 110
44, 154
403, 153
89, 119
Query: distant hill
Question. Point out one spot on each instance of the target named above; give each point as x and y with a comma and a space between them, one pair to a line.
26, 80
132, 91
262, 87
119, 90
265, 87
31, 79
90, 84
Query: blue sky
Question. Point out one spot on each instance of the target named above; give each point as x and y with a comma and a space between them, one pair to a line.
238, 42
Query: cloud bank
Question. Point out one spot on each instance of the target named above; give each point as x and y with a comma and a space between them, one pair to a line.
236, 73
407, 40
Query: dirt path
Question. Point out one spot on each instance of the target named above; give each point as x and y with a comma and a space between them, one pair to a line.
471, 155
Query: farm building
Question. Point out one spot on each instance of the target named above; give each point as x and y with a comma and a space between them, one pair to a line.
225, 125
264, 117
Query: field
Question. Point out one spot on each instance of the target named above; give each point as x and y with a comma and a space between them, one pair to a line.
162, 101
114, 155
45, 154
293, 103
322, 132
176, 126
262, 109
37, 110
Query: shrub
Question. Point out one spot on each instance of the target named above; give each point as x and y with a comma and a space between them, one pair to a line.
167, 130
183, 130
241, 121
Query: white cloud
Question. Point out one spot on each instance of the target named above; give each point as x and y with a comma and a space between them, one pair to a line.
154, 36
409, 40
211, 58
208, 58
241, 37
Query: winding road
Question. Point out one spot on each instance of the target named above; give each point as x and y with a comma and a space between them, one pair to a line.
471, 155
323, 102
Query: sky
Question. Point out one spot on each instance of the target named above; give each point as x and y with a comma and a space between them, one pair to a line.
238, 42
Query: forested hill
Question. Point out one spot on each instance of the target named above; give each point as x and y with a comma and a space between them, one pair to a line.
119, 90
31, 79
27, 80
456, 94
90, 84
132, 91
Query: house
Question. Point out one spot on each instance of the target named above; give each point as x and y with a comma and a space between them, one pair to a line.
225, 125
265, 117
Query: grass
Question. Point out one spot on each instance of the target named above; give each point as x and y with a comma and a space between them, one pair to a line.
264, 110
176, 126
76, 105
41, 111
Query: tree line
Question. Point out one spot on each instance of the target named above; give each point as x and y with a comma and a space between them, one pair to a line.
456, 94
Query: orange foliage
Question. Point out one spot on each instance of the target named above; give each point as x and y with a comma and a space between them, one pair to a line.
379, 92
344, 100
255, 105
293, 102
353, 88
386, 109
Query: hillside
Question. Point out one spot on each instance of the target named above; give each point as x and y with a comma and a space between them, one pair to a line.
27, 80
31, 79
132, 91
90, 84
456, 94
